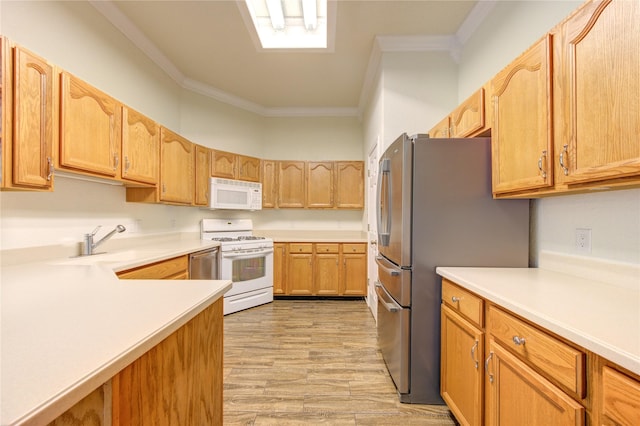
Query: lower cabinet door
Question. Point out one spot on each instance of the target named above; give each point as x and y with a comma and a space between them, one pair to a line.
462, 347
517, 395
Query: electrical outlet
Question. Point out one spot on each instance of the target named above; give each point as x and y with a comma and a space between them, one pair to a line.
583, 240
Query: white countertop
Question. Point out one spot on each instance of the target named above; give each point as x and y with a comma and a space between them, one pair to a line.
601, 317
69, 325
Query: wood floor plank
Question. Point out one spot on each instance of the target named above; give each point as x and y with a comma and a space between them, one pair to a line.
303, 362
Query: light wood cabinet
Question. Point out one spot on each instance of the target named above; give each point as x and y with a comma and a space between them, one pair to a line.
202, 173
462, 367
522, 138
322, 269
353, 271
517, 394
279, 268
179, 381
90, 129
234, 166
300, 269
291, 184
467, 120
176, 168
269, 179
171, 269
326, 270
349, 185
597, 93
620, 399
27, 96
140, 147
442, 129
319, 188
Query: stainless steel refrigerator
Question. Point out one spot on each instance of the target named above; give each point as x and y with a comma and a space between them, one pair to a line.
435, 208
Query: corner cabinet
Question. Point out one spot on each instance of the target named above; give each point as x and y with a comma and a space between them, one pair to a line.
269, 179
202, 172
177, 156
90, 129
349, 185
140, 148
27, 95
598, 93
522, 138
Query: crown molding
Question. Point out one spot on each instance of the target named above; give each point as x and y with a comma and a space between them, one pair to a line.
477, 15
417, 43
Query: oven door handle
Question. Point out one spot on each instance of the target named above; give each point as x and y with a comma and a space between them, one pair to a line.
244, 255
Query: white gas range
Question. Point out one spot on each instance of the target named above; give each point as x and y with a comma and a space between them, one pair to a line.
245, 259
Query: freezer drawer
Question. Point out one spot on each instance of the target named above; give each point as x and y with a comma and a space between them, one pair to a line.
395, 280
394, 338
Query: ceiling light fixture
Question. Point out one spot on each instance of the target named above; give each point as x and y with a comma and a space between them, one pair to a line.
276, 14
309, 12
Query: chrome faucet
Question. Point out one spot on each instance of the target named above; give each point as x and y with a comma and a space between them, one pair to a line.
90, 246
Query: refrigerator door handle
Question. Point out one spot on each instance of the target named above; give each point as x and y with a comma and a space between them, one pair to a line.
392, 272
390, 306
384, 233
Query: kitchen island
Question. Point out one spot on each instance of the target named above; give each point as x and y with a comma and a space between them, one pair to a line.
69, 325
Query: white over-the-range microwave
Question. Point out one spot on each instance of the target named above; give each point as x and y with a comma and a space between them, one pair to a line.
231, 194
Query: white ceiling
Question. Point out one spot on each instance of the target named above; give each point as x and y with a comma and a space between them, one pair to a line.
206, 46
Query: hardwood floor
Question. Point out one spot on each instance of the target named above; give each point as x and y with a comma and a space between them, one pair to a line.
296, 362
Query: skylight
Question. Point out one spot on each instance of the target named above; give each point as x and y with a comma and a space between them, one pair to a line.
290, 24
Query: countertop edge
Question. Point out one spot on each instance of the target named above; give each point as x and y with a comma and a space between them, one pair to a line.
61, 402
584, 339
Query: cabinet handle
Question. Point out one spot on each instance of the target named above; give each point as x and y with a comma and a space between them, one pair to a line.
116, 161
164, 188
519, 341
50, 163
473, 353
542, 171
486, 367
455, 299
565, 169
126, 164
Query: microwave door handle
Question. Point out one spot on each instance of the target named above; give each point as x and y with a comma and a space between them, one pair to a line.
384, 177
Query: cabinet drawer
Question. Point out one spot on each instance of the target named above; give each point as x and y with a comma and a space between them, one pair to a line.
463, 302
327, 248
620, 397
354, 248
300, 248
176, 268
559, 362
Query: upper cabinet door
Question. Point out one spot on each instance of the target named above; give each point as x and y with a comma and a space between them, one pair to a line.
522, 139
223, 164
291, 184
320, 184
140, 147
248, 168
202, 172
32, 159
176, 168
269, 180
442, 129
349, 185
468, 118
90, 129
598, 89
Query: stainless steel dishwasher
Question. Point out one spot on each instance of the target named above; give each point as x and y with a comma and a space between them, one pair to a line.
204, 265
